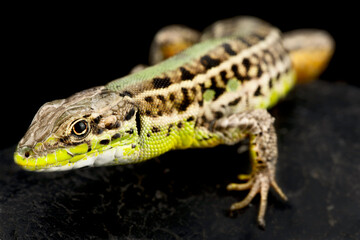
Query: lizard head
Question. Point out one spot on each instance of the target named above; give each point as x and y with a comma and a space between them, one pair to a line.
94, 127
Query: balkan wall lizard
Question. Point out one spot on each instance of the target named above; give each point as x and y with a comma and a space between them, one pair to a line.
203, 90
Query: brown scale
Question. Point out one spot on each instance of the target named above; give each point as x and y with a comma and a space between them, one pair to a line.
154, 105
157, 105
251, 67
188, 71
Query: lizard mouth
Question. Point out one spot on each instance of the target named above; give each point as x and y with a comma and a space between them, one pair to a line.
72, 158
60, 159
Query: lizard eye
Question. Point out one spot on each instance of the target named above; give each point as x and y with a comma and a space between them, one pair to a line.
80, 128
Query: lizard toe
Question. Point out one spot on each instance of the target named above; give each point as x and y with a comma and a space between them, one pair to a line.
258, 183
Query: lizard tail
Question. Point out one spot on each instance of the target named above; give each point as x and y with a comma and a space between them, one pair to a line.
171, 40
310, 52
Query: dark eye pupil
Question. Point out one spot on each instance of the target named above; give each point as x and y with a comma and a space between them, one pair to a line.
80, 127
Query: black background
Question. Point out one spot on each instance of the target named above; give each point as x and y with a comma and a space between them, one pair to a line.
51, 52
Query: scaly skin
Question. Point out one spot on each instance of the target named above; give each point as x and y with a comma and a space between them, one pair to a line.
214, 92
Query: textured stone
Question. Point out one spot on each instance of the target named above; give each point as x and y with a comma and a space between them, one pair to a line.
183, 194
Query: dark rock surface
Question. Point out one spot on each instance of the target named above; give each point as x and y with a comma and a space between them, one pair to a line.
182, 195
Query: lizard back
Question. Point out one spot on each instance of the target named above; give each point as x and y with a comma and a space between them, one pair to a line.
243, 68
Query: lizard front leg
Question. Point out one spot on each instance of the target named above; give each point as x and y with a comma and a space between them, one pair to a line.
258, 125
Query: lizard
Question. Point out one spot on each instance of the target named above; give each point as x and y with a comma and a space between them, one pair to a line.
202, 90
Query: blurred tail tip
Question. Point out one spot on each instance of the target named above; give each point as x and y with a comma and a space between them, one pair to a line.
310, 51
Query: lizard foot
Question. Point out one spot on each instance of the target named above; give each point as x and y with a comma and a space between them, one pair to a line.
260, 182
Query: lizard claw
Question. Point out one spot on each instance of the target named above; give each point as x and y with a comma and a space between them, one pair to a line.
258, 183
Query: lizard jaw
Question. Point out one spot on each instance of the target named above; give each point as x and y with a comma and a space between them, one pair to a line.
55, 161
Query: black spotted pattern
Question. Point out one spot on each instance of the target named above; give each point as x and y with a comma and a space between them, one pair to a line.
258, 92
209, 62
228, 49
161, 82
186, 74
186, 101
130, 114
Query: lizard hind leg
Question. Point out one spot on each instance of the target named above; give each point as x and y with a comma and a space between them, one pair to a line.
258, 124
